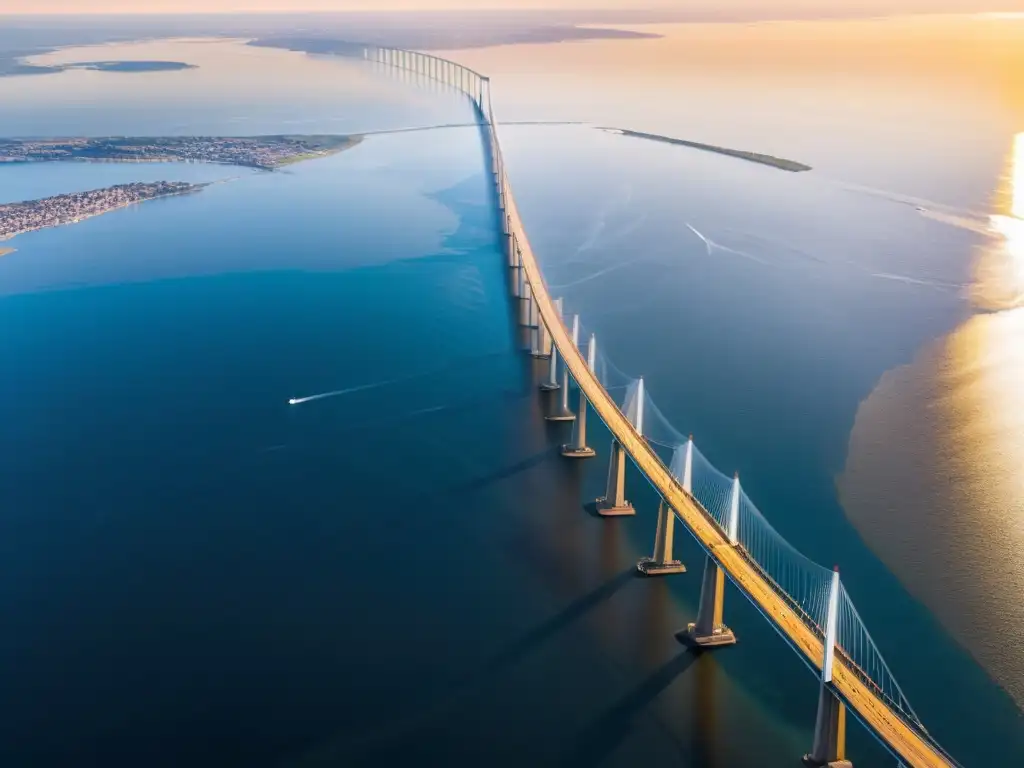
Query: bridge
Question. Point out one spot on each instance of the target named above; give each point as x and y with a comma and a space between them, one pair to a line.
805, 603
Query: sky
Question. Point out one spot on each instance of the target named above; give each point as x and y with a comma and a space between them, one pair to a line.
761, 7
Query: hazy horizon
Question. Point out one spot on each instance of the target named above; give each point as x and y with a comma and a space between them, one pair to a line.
788, 8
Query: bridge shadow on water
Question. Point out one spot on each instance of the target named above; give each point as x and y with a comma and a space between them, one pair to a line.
403, 734
504, 473
600, 739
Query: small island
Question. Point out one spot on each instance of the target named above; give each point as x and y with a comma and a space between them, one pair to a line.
7, 251
30, 215
754, 157
129, 66
13, 66
264, 152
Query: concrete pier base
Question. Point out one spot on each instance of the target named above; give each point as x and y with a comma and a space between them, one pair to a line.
561, 416
572, 452
720, 636
648, 566
613, 503
606, 509
550, 386
662, 563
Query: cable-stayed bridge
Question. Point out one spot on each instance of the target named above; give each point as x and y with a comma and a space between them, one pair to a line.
804, 602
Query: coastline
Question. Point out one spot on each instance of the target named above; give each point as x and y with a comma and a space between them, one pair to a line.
754, 157
6, 251
193, 189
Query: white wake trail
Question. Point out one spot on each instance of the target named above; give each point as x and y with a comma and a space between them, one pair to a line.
340, 392
707, 243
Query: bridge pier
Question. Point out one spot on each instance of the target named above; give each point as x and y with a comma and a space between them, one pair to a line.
829, 748
579, 448
552, 383
829, 733
709, 631
613, 503
534, 321
525, 302
563, 413
542, 340
662, 564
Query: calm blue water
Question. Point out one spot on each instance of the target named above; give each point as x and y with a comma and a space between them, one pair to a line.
194, 572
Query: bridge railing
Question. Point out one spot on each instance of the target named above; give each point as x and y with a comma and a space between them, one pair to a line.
796, 579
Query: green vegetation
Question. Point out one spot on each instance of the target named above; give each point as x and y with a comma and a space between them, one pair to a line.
267, 152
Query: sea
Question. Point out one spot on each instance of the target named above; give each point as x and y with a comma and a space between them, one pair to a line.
193, 571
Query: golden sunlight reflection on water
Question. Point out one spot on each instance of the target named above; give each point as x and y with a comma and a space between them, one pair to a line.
934, 478
999, 277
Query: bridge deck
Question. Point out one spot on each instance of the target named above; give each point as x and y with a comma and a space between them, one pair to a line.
871, 709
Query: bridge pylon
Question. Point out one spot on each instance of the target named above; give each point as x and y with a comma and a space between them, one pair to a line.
579, 449
662, 563
829, 747
563, 413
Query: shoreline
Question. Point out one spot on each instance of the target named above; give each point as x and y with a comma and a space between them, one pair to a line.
310, 148
781, 163
195, 188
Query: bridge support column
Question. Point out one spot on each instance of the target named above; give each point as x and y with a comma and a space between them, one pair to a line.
563, 413
709, 631
525, 301
520, 282
579, 448
830, 725
541, 338
552, 383
662, 563
534, 321
613, 503
829, 733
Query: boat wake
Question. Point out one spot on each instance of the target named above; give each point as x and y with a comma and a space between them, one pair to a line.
340, 392
713, 246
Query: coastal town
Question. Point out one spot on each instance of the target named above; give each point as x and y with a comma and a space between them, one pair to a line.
265, 152
30, 215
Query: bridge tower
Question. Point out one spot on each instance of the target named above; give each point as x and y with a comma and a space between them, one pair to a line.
552, 382
663, 563
614, 503
710, 631
829, 747
579, 448
563, 413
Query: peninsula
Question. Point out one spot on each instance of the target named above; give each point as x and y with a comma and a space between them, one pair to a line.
266, 152
30, 215
754, 157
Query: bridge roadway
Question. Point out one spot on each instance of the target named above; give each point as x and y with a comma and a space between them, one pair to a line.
869, 707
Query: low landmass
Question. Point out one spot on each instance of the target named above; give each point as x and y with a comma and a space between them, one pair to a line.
266, 152
754, 157
433, 37
17, 67
30, 215
7, 251
130, 66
